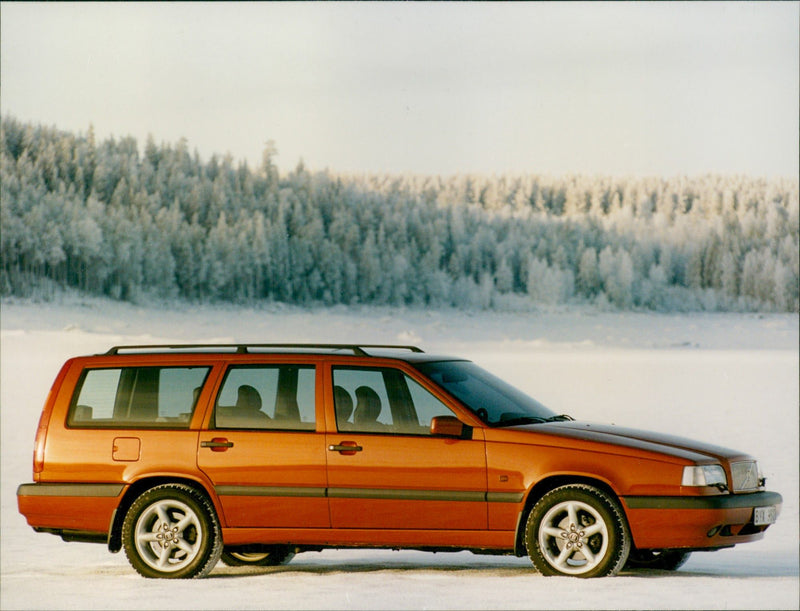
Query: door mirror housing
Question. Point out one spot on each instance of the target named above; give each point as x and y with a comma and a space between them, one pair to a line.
448, 426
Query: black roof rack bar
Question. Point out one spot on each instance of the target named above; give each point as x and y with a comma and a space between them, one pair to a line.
357, 349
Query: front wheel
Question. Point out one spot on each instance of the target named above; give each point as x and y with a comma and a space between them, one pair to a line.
577, 530
171, 531
269, 555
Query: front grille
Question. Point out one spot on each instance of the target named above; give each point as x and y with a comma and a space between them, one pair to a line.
745, 475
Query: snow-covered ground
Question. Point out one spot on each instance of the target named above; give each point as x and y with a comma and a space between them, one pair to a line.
730, 379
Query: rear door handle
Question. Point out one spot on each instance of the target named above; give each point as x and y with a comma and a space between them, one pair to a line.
346, 448
217, 444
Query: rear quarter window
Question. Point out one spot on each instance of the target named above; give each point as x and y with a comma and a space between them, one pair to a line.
136, 397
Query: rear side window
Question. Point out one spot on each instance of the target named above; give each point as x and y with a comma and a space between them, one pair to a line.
268, 397
137, 397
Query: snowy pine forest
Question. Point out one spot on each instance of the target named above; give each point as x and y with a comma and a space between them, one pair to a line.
105, 218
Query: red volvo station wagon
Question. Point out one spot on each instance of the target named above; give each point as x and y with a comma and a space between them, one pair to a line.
183, 455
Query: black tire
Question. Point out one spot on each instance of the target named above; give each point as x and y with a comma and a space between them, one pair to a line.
172, 532
264, 555
577, 530
665, 560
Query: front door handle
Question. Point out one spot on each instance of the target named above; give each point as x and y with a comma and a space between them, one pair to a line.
346, 448
217, 444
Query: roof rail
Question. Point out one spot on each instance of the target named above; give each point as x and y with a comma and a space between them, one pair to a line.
357, 349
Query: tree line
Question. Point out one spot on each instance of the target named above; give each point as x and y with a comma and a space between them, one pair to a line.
107, 219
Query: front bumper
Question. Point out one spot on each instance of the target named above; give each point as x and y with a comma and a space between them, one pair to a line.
697, 522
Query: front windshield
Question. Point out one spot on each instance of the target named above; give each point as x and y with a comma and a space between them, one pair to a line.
494, 401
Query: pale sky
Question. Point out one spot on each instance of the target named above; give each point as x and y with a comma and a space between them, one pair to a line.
597, 88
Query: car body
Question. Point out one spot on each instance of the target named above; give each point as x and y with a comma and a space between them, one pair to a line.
185, 454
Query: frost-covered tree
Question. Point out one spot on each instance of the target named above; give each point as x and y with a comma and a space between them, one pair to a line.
588, 273
101, 218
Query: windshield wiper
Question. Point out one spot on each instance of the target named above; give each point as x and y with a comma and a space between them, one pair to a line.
559, 418
520, 420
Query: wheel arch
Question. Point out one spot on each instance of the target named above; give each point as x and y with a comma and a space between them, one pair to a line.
545, 485
140, 486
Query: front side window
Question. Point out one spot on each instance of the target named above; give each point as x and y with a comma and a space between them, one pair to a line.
372, 400
267, 397
132, 397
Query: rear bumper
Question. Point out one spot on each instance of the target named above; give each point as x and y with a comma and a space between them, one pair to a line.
57, 507
702, 522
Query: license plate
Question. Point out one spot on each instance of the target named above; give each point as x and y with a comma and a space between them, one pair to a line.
764, 515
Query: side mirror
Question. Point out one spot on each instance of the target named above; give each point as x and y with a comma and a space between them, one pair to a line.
447, 426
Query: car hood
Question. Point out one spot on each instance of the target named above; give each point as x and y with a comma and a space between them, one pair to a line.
661, 443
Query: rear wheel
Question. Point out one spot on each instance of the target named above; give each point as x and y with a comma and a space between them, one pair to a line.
577, 530
665, 560
263, 555
171, 531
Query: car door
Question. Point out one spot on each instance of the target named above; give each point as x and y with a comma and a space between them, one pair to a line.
386, 470
261, 448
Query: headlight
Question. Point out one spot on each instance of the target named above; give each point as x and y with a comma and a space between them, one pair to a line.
705, 475
746, 475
